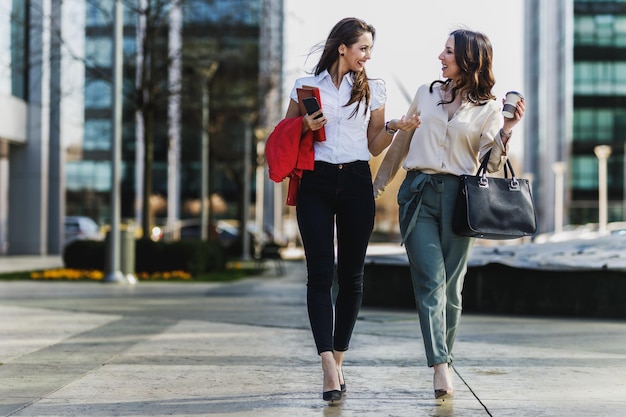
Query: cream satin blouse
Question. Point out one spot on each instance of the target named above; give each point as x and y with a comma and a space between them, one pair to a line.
455, 146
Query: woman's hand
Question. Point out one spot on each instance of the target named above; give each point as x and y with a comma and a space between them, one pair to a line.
406, 124
310, 122
520, 107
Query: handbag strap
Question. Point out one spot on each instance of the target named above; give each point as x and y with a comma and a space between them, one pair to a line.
482, 169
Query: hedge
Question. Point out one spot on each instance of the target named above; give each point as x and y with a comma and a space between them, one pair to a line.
192, 256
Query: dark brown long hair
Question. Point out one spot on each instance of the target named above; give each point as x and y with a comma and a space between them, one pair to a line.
474, 55
347, 32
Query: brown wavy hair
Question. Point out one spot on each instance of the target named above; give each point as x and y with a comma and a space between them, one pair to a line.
474, 56
347, 32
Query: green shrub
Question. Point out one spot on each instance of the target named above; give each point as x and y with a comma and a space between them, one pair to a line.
192, 256
85, 254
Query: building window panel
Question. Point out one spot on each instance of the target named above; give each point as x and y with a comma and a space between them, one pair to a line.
620, 73
600, 78
584, 28
102, 176
97, 135
98, 95
13, 39
585, 172
620, 31
602, 30
88, 175
583, 125
99, 14
582, 75
221, 11
594, 126
99, 52
604, 126
130, 45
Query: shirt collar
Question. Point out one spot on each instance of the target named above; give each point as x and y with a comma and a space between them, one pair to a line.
349, 77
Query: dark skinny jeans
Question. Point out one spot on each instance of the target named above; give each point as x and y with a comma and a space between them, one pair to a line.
335, 197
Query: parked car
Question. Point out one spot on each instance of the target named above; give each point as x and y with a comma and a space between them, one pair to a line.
81, 228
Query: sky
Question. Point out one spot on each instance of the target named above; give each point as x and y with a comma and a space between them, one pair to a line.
409, 38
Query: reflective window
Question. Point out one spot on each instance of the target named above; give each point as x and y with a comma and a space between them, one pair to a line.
99, 14
600, 30
5, 48
99, 52
598, 125
88, 175
98, 95
13, 47
130, 45
600, 77
584, 172
223, 11
97, 135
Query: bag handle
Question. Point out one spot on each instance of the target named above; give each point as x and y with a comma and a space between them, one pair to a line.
482, 171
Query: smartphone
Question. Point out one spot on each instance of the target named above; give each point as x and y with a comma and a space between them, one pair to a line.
311, 105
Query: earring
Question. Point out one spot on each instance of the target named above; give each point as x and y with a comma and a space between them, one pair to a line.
341, 54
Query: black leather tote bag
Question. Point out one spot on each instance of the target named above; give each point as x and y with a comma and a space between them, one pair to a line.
494, 207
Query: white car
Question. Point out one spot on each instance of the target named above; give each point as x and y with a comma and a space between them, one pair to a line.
81, 228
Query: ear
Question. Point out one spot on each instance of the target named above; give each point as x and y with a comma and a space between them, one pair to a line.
342, 49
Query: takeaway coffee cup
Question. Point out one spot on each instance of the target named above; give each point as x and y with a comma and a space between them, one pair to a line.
512, 97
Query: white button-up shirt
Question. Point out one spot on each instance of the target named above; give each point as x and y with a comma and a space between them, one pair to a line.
454, 146
346, 137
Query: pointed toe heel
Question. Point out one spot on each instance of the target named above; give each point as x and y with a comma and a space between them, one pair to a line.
332, 396
443, 395
343, 386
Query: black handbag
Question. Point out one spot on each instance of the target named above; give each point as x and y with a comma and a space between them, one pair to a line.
493, 207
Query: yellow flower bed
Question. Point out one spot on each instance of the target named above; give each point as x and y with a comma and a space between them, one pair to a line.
172, 275
96, 275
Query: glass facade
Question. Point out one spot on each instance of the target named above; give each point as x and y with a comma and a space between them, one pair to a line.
13, 47
19, 42
599, 106
243, 12
224, 32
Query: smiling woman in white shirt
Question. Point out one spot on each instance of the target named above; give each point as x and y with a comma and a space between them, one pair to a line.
460, 123
337, 194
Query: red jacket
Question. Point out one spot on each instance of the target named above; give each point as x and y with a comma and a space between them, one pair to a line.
288, 154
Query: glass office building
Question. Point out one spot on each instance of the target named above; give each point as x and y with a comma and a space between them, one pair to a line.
220, 36
599, 107
31, 203
13, 87
576, 84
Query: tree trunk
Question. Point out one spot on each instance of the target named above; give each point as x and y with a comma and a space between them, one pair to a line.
148, 159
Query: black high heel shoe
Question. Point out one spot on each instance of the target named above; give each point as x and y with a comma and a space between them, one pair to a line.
343, 386
331, 396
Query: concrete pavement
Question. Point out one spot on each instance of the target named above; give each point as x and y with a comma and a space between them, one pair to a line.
245, 349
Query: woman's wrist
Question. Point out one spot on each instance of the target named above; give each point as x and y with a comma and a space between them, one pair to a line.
389, 130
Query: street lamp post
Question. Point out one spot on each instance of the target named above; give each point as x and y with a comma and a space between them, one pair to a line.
602, 152
207, 74
559, 169
247, 172
260, 134
115, 273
